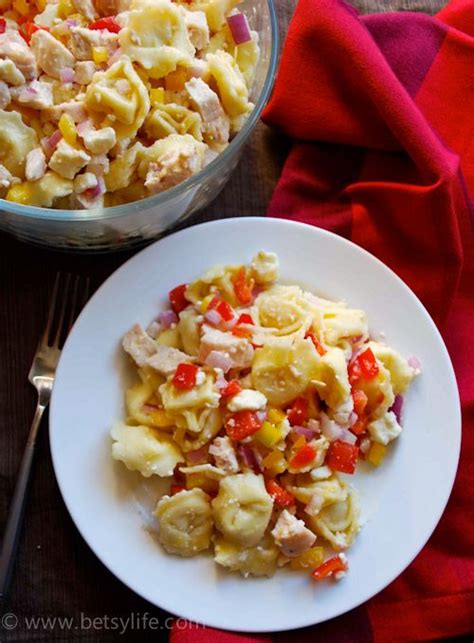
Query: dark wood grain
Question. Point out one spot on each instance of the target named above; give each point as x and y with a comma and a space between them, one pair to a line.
56, 574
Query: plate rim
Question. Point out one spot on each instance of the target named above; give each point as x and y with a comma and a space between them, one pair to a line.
301, 623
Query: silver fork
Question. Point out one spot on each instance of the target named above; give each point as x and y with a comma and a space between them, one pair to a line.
66, 302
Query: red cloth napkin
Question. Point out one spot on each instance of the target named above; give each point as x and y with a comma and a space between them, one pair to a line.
382, 110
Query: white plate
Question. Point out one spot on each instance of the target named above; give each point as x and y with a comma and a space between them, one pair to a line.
402, 501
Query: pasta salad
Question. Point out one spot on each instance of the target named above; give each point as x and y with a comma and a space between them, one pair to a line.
254, 397
103, 102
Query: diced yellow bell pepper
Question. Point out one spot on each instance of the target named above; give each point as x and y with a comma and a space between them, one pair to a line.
201, 481
276, 416
205, 303
275, 462
68, 129
100, 55
157, 96
311, 559
22, 7
269, 434
20, 193
376, 454
65, 8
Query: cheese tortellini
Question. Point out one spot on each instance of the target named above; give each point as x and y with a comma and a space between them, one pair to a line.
16, 141
242, 509
254, 398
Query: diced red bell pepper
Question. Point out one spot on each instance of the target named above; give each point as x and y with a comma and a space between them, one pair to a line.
243, 286
360, 401
178, 475
242, 424
3, 25
303, 457
238, 331
178, 299
342, 456
360, 426
184, 378
298, 413
231, 389
363, 366
109, 23
329, 567
225, 310
280, 495
317, 344
176, 488
27, 29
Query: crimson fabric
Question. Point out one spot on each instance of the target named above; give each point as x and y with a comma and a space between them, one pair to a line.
382, 112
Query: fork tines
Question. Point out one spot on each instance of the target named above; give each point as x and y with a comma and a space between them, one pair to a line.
70, 293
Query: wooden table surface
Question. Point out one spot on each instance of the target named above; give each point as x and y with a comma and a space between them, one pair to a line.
56, 574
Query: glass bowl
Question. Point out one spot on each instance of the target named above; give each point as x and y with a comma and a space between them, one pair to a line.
136, 223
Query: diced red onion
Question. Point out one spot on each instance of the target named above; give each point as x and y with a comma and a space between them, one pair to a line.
198, 456
99, 189
397, 407
347, 436
262, 415
248, 457
221, 382
414, 362
217, 359
28, 92
314, 425
258, 459
353, 417
239, 28
47, 149
329, 428
71, 22
213, 317
167, 317
67, 75
85, 127
304, 431
54, 139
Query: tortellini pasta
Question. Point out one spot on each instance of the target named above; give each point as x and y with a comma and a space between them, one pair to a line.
185, 522
242, 509
260, 560
16, 140
142, 449
256, 397
170, 118
283, 371
230, 83
156, 37
119, 99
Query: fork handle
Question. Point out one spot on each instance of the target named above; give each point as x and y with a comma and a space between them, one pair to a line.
12, 533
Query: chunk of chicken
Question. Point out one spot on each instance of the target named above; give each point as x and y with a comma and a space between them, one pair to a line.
239, 349
291, 535
5, 96
83, 40
85, 69
86, 7
99, 141
37, 95
216, 124
75, 109
166, 359
67, 161
224, 454
10, 73
139, 345
198, 29
35, 165
51, 55
83, 182
14, 48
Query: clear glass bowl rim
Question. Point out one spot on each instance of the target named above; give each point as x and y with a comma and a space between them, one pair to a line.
50, 214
